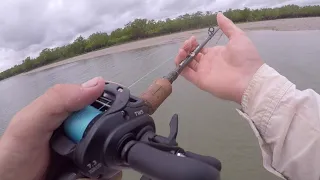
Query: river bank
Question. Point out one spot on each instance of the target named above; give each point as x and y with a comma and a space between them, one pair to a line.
297, 24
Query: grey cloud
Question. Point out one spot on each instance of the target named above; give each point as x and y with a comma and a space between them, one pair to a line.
114, 8
178, 7
173, 5
19, 39
18, 28
28, 26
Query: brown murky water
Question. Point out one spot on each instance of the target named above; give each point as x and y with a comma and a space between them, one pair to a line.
207, 125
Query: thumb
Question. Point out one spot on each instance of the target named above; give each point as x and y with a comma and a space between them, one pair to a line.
227, 26
48, 112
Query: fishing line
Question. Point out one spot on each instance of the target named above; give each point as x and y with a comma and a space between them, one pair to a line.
150, 72
219, 37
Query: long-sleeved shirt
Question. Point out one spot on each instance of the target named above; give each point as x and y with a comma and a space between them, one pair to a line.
286, 122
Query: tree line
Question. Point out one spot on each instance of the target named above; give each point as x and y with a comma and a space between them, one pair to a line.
144, 28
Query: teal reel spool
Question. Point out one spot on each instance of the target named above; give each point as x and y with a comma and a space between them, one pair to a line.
76, 124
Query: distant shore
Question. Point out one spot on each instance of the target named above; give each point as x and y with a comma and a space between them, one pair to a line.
297, 24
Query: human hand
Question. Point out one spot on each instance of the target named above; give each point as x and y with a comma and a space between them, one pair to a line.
24, 147
224, 71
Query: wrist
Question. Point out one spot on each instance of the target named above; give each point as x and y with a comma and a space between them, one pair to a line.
247, 82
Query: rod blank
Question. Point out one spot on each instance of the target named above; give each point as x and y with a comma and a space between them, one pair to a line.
173, 75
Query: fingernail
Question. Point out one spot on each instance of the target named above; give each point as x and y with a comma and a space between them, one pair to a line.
91, 83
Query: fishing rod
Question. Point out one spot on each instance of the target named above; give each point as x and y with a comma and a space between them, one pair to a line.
116, 132
161, 88
173, 75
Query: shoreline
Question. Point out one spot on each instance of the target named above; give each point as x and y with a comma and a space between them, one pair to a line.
292, 24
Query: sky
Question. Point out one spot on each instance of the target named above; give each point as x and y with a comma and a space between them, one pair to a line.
28, 26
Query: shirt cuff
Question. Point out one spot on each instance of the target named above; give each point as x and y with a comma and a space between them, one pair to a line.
262, 96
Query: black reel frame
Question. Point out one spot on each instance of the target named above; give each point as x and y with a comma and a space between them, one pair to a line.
124, 136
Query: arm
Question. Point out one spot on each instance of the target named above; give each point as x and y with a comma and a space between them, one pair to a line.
287, 124
285, 120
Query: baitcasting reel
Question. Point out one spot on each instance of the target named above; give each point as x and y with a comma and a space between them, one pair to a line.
116, 132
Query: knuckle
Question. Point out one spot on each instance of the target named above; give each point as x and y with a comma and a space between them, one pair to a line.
53, 95
56, 97
241, 33
57, 86
195, 66
54, 90
185, 44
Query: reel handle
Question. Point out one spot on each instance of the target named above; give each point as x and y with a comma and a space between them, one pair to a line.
157, 164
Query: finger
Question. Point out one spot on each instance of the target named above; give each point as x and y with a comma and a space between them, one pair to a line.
190, 75
198, 57
204, 50
227, 26
187, 45
194, 43
194, 65
47, 112
182, 54
190, 44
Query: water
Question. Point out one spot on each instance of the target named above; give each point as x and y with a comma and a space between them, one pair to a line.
207, 125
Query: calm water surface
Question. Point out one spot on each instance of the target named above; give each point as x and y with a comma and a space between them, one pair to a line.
207, 125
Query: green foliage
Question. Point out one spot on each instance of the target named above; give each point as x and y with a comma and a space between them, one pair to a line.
143, 28
96, 41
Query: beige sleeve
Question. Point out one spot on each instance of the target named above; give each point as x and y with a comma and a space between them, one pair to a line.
286, 122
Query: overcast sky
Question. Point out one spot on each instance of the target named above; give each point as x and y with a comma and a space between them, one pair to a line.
28, 26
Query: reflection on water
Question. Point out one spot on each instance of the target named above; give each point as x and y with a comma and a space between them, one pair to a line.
207, 125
